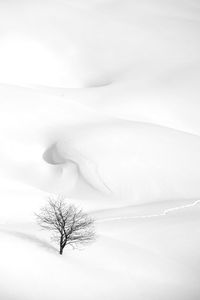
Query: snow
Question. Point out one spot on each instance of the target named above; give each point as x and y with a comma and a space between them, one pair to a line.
99, 101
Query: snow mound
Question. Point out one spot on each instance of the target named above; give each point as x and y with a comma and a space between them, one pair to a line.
100, 102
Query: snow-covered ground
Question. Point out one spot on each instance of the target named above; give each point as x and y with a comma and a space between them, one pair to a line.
99, 101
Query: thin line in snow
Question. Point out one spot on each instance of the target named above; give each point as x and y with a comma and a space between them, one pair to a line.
164, 213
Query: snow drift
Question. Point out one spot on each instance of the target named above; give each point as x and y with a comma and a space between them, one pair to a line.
100, 102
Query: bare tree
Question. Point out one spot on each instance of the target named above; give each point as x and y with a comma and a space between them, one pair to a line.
70, 225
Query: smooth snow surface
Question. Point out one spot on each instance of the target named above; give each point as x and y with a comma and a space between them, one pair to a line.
99, 101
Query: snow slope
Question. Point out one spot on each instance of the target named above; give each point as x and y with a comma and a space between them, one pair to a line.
145, 258
99, 101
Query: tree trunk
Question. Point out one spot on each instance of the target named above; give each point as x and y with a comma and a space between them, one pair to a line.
61, 250
61, 245
63, 242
